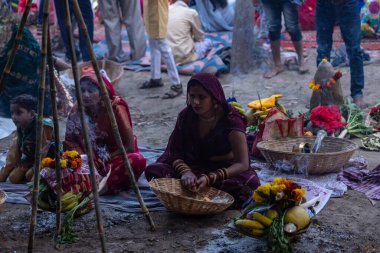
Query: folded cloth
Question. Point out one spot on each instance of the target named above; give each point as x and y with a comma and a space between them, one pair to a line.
362, 180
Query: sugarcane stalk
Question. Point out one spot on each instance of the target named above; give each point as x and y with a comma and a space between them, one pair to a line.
106, 100
53, 97
40, 114
84, 125
16, 43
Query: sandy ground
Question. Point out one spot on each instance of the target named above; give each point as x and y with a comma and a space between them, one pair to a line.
347, 224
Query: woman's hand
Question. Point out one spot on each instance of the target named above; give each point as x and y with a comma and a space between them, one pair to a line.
188, 179
201, 183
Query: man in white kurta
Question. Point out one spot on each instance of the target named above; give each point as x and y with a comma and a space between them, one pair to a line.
185, 34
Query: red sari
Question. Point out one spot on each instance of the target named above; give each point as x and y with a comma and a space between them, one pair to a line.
106, 155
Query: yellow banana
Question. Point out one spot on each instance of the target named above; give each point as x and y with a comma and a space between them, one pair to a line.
257, 232
236, 104
271, 214
262, 219
43, 205
70, 206
281, 107
248, 224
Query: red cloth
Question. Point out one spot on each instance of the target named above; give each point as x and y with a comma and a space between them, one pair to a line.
306, 14
327, 117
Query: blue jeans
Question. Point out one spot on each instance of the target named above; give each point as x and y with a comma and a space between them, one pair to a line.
273, 10
88, 16
347, 15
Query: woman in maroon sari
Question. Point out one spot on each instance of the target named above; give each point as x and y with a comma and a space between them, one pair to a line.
208, 145
105, 149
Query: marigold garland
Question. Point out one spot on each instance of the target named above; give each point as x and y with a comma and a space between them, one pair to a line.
316, 86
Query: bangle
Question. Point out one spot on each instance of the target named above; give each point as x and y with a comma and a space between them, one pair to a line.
207, 179
218, 175
180, 167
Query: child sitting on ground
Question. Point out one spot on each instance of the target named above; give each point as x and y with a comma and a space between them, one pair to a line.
20, 157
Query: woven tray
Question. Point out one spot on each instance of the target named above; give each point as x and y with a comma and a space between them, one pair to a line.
114, 70
332, 156
176, 198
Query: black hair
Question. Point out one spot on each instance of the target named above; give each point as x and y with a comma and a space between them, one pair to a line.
219, 4
25, 101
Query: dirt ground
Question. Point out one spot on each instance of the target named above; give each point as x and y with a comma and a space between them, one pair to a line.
347, 224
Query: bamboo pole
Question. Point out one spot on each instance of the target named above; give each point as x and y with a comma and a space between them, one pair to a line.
105, 98
84, 125
40, 113
12, 55
58, 173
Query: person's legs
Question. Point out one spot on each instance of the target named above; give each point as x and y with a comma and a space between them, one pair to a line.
59, 10
324, 22
155, 66
112, 25
88, 17
131, 16
176, 86
273, 11
293, 28
349, 21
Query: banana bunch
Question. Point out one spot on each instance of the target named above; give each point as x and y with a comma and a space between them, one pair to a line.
256, 223
238, 106
70, 200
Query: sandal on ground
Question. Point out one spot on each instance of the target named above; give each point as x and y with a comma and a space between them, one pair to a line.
175, 91
152, 83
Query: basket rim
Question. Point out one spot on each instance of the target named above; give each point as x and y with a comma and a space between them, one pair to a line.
356, 146
230, 197
4, 197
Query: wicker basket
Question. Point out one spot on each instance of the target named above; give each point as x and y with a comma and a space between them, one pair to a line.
3, 197
332, 156
114, 70
176, 198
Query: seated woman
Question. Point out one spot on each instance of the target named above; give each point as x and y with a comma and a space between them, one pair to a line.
106, 155
208, 145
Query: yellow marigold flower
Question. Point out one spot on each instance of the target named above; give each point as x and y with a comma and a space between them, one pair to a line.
63, 164
73, 154
324, 60
264, 189
277, 188
311, 84
279, 180
257, 197
46, 162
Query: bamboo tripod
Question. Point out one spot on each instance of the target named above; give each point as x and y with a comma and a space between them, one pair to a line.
46, 54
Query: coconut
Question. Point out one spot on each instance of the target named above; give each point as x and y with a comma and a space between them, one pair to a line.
298, 216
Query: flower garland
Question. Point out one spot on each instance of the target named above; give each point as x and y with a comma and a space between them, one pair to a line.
70, 159
332, 81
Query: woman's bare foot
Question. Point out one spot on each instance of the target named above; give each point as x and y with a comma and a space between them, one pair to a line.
275, 71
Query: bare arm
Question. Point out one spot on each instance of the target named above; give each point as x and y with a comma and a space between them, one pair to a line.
240, 153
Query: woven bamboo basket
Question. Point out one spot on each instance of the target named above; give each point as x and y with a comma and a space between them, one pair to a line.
3, 197
332, 156
114, 70
178, 199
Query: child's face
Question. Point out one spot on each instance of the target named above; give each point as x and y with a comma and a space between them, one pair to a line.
21, 116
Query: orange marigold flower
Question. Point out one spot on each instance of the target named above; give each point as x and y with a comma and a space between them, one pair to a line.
316, 87
47, 162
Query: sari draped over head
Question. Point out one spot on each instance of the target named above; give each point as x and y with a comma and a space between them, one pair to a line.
184, 142
106, 154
